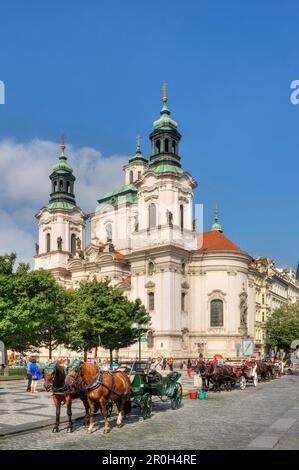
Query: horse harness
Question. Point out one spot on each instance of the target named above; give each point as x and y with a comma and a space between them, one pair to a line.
98, 383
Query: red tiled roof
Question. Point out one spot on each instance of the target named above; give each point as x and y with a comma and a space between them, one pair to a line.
215, 241
118, 255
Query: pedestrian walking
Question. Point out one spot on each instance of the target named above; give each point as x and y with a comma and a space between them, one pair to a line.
170, 363
29, 376
189, 368
35, 375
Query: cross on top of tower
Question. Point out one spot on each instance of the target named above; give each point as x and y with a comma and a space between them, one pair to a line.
164, 92
62, 144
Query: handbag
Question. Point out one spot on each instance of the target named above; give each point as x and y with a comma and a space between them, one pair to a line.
34, 377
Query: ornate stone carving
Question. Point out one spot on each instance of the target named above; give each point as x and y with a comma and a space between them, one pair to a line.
243, 312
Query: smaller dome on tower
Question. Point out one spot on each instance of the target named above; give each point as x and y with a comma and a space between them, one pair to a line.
62, 166
216, 227
138, 157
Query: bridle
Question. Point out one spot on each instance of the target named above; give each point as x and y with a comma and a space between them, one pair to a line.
52, 368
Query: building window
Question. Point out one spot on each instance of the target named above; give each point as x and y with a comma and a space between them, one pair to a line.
183, 269
139, 175
183, 301
181, 216
173, 147
217, 312
68, 187
48, 243
150, 340
152, 216
73, 244
158, 146
54, 186
166, 145
151, 301
131, 176
150, 268
60, 185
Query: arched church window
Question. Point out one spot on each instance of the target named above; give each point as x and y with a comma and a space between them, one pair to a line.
166, 145
48, 243
73, 244
109, 232
151, 301
181, 216
152, 216
216, 312
131, 176
183, 269
55, 186
158, 146
68, 187
139, 175
150, 268
60, 185
173, 147
150, 339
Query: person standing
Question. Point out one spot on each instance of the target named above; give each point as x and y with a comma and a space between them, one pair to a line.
35, 375
29, 376
170, 363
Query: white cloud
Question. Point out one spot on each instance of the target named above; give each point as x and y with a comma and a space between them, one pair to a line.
25, 186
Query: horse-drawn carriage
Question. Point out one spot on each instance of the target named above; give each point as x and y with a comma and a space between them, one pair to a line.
147, 383
245, 373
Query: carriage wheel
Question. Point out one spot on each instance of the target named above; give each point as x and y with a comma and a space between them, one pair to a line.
242, 382
147, 405
176, 399
109, 407
255, 379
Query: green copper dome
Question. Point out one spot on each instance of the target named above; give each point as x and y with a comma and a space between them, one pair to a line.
62, 195
164, 120
138, 157
165, 140
216, 227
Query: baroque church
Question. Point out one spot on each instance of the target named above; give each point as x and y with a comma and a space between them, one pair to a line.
197, 287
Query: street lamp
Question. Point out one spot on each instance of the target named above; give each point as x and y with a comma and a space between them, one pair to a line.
136, 326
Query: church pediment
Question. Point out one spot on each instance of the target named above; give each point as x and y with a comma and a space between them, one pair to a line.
76, 264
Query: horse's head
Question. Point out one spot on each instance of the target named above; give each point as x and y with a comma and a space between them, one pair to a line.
201, 367
50, 372
74, 373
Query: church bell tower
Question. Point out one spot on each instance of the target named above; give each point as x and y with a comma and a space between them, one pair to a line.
61, 222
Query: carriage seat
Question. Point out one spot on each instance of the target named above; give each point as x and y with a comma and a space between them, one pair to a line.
154, 377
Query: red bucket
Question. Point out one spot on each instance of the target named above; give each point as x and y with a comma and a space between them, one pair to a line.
193, 395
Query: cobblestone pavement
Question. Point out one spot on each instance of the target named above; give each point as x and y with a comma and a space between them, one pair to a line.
21, 410
263, 417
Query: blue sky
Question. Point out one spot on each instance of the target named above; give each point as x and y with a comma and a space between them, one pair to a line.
94, 71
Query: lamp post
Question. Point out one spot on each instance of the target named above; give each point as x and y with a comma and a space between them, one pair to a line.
136, 326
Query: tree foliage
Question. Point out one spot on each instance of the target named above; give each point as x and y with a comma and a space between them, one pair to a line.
282, 326
98, 311
31, 307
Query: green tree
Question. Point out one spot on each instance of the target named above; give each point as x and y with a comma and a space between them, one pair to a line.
98, 310
31, 307
282, 326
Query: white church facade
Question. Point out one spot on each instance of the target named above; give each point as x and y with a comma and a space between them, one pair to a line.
198, 287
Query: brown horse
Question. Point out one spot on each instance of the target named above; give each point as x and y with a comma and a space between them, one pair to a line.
100, 387
263, 370
54, 381
222, 374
